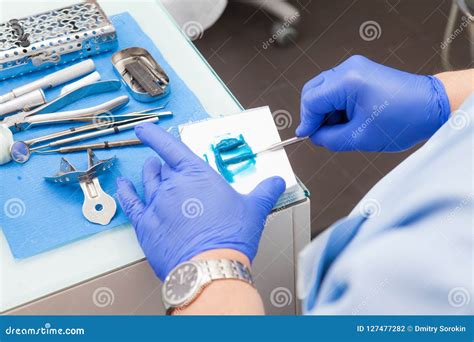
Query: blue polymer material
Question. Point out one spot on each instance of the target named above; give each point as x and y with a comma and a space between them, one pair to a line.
38, 216
232, 156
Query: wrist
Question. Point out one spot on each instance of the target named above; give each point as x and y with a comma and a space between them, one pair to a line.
219, 277
442, 97
458, 85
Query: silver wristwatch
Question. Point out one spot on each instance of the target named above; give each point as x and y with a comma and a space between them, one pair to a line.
187, 280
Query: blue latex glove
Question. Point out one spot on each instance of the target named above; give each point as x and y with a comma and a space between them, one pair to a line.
189, 208
362, 105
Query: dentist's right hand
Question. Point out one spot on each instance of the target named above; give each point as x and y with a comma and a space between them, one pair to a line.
362, 105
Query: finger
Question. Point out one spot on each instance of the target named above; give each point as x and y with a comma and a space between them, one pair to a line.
173, 151
151, 177
305, 122
314, 82
267, 193
306, 125
131, 204
336, 138
319, 101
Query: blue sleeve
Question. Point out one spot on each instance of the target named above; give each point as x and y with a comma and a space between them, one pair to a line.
407, 247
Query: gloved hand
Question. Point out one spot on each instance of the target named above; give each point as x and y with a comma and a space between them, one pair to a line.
189, 208
362, 105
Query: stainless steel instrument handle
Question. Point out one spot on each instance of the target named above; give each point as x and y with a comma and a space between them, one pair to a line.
103, 132
101, 145
84, 128
99, 109
17, 122
282, 144
52, 80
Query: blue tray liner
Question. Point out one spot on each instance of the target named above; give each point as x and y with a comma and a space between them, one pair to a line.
38, 216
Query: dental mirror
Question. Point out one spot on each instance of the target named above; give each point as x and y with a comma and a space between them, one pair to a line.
20, 152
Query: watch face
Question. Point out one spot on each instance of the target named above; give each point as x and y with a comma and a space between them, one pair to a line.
181, 283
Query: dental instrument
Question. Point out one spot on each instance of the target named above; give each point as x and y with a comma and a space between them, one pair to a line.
52, 80
283, 144
21, 152
109, 117
99, 122
25, 102
274, 147
23, 120
98, 206
91, 78
66, 116
105, 145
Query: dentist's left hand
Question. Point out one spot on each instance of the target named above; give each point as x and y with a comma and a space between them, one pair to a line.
189, 208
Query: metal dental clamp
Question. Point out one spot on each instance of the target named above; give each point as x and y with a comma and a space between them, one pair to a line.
98, 207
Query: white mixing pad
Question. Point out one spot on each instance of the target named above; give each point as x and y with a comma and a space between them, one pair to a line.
259, 131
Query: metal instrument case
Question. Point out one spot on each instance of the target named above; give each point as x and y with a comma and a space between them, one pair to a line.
54, 37
121, 58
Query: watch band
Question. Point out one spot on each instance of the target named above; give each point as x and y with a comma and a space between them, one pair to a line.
226, 269
214, 269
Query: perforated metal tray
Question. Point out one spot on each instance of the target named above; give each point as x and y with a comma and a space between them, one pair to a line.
54, 37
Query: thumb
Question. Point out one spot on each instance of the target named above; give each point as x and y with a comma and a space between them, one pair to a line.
266, 194
131, 204
337, 138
